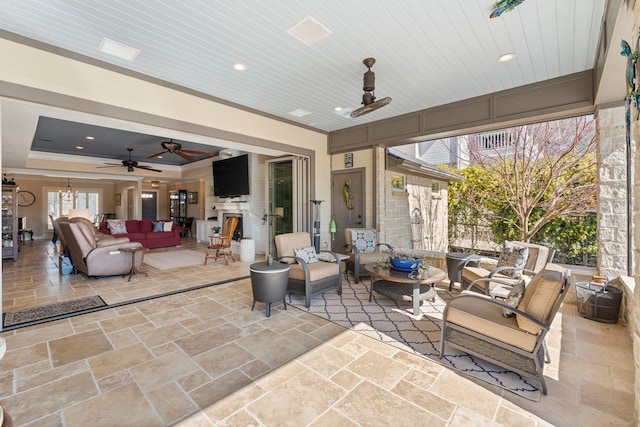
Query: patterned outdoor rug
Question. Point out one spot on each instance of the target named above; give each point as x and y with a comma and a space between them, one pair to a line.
393, 322
51, 311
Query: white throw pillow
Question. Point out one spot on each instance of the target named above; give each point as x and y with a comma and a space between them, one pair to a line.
308, 255
167, 226
117, 226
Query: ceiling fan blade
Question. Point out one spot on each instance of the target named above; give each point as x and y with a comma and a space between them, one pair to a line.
197, 152
148, 168
109, 165
158, 154
185, 156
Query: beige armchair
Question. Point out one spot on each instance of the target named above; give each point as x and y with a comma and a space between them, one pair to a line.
537, 258
98, 255
363, 248
307, 276
477, 324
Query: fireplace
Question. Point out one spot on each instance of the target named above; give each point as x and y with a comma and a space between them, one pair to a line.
237, 235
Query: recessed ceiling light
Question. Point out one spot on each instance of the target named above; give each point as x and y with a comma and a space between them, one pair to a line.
118, 49
298, 112
79, 147
337, 109
239, 67
90, 137
158, 157
507, 57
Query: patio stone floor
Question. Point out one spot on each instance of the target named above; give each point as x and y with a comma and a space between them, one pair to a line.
203, 358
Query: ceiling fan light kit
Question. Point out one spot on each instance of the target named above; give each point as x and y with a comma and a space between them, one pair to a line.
368, 98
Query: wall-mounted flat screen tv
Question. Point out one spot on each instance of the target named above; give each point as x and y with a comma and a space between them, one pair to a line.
231, 176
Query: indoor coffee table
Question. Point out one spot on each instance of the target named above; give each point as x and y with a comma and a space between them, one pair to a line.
397, 284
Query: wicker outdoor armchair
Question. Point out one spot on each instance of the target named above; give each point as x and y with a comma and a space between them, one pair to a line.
307, 277
476, 324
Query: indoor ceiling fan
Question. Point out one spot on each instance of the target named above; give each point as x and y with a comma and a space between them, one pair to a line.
176, 148
130, 164
369, 102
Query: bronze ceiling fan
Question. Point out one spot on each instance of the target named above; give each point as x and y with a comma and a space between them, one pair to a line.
369, 102
176, 148
130, 164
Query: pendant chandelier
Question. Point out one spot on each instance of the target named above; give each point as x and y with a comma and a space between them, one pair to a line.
67, 195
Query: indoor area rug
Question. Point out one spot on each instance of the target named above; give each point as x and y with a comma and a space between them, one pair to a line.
393, 322
51, 311
173, 259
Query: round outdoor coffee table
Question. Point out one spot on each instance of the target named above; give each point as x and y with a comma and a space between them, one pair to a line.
397, 284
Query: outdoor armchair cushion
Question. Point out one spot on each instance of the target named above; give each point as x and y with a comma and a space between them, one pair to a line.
538, 299
287, 243
315, 271
482, 314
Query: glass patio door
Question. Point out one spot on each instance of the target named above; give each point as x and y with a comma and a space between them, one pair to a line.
287, 197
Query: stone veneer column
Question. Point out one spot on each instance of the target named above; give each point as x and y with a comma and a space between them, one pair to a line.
612, 192
634, 300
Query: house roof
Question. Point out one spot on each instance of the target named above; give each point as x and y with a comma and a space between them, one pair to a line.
415, 166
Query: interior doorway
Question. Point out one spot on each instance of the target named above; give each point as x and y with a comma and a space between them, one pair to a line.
347, 203
150, 205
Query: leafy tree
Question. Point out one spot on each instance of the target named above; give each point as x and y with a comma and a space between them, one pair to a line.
532, 175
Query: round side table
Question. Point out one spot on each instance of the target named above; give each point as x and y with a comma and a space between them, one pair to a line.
269, 283
455, 261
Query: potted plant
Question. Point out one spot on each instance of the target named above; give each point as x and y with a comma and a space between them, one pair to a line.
215, 230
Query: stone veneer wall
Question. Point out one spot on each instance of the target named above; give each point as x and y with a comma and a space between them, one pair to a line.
398, 221
428, 213
634, 302
394, 211
612, 192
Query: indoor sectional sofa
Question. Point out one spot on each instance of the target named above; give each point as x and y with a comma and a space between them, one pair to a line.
143, 231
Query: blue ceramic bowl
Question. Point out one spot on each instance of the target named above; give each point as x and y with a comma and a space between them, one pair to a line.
405, 264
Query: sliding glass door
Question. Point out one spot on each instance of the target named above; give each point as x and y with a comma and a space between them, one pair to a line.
287, 196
